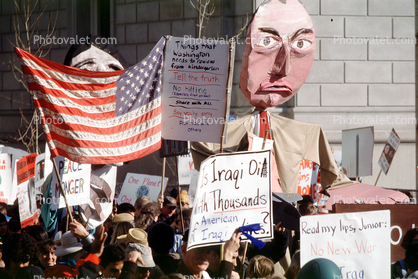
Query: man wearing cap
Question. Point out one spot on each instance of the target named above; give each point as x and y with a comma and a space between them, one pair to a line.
168, 210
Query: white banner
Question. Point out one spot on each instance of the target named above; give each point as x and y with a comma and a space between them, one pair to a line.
194, 89
186, 169
136, 185
6, 178
75, 178
359, 243
233, 190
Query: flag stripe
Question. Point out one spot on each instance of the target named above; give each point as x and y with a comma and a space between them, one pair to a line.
83, 132
98, 117
60, 94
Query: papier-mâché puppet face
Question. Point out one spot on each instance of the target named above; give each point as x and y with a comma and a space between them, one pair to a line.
278, 55
95, 59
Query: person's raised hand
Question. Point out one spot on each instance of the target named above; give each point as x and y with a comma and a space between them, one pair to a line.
231, 246
97, 246
77, 229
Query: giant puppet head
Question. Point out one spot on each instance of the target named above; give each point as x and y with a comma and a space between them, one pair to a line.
278, 55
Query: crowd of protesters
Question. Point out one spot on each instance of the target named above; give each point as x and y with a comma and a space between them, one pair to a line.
149, 240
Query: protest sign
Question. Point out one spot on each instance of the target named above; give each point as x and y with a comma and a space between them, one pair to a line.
25, 171
308, 183
75, 179
403, 217
186, 169
194, 104
359, 243
233, 190
357, 151
136, 185
6, 178
389, 151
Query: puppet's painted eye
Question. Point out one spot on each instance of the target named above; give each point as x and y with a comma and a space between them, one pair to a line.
267, 42
301, 44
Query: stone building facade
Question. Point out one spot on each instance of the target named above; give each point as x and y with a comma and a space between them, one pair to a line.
363, 73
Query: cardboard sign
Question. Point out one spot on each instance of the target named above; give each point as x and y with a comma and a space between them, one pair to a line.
136, 185
389, 151
308, 183
357, 151
6, 178
233, 190
403, 217
25, 170
358, 243
186, 169
194, 104
75, 179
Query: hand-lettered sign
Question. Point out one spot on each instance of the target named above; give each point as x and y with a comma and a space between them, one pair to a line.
233, 190
6, 178
75, 180
359, 243
136, 185
195, 89
25, 170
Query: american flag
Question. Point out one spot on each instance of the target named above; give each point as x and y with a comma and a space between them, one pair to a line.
98, 117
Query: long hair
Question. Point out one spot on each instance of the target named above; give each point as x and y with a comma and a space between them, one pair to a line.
120, 229
148, 214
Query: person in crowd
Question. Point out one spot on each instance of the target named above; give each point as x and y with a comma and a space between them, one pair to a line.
319, 269
111, 261
121, 228
37, 232
168, 211
139, 203
403, 268
140, 263
178, 237
47, 255
183, 199
134, 235
21, 251
260, 267
3, 208
294, 267
161, 240
126, 208
195, 261
216, 266
4, 228
149, 215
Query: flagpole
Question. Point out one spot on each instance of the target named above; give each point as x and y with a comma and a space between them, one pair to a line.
62, 188
162, 181
228, 89
179, 189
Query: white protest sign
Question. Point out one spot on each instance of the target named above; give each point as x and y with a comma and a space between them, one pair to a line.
25, 170
194, 99
389, 151
358, 243
357, 151
6, 178
136, 185
233, 190
75, 179
185, 168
